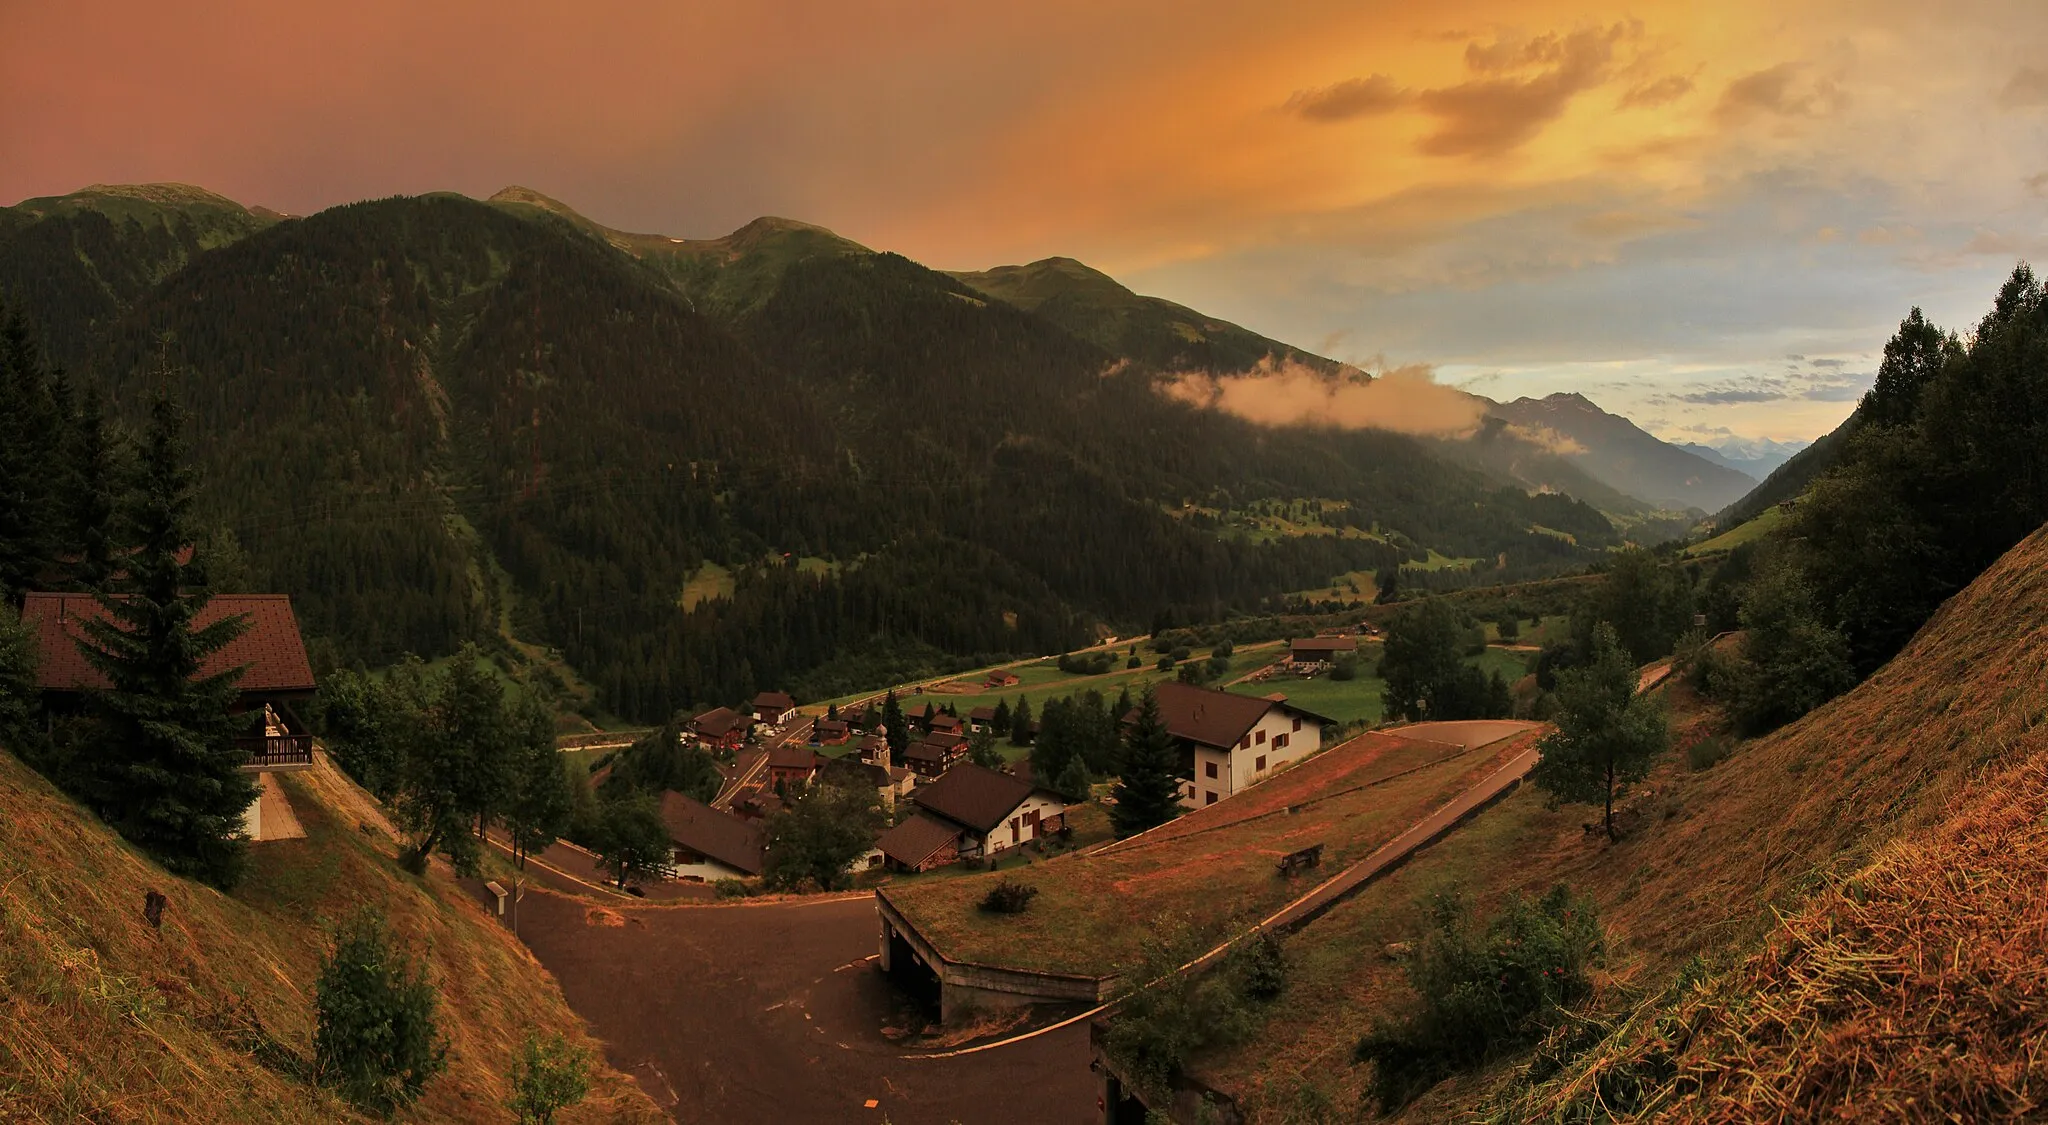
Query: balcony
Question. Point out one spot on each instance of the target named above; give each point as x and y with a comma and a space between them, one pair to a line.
277, 752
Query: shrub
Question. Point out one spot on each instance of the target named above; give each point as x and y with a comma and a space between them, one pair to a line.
1224, 649
732, 888
1259, 967
1165, 663
1346, 668
1706, 753
1135, 662
1008, 897
1181, 652
1478, 994
1510, 628
375, 1040
549, 1075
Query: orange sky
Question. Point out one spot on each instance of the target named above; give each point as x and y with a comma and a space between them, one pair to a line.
1658, 203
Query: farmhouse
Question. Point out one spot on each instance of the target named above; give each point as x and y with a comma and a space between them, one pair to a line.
971, 811
921, 715
721, 728
1320, 650
792, 764
981, 718
270, 653
709, 844
831, 732
943, 723
774, 708
1001, 678
931, 755
1233, 741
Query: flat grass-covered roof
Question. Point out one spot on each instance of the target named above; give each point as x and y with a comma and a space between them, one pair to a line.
1216, 865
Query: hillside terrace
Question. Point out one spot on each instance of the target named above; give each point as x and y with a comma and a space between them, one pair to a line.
1216, 865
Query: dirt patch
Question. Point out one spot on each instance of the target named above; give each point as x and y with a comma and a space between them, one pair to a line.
599, 916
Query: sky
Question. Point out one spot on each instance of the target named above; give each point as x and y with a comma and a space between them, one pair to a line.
1707, 216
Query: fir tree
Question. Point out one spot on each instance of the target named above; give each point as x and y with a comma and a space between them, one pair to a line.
1000, 724
1020, 722
898, 726
168, 773
91, 498
1148, 791
29, 431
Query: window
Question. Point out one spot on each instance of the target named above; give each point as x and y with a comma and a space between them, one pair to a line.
1279, 742
1260, 738
1208, 798
1297, 724
1211, 769
1244, 743
1260, 764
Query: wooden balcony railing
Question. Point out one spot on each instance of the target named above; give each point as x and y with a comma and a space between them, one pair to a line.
270, 752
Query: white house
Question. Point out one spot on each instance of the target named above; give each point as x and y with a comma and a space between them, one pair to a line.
1234, 741
972, 811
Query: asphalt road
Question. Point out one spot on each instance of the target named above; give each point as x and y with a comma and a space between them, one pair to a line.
774, 1013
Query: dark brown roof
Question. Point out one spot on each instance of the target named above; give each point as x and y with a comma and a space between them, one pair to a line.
270, 651
943, 721
982, 714
779, 700
918, 839
831, 726
1215, 718
789, 756
921, 712
719, 721
942, 740
974, 796
709, 832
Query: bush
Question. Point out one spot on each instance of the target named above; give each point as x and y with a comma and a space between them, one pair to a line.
1510, 628
1181, 652
375, 1040
549, 1075
1008, 897
732, 888
1259, 967
1165, 663
1346, 668
1224, 649
1135, 662
1479, 994
1706, 753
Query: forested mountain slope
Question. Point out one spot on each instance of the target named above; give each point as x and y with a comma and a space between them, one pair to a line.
424, 417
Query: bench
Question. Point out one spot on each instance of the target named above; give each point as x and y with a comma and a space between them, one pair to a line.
1311, 856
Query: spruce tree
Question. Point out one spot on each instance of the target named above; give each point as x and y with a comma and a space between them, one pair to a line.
1148, 791
30, 427
1020, 722
1000, 724
167, 774
899, 727
90, 498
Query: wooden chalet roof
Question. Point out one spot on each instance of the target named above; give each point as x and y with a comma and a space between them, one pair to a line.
917, 839
1219, 719
270, 651
719, 722
790, 756
777, 700
982, 715
974, 796
737, 843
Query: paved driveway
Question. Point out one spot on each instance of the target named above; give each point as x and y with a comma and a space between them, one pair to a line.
774, 1013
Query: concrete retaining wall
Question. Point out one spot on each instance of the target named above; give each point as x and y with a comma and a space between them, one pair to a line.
965, 986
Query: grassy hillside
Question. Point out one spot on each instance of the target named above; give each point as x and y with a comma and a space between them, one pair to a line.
1849, 821
210, 1019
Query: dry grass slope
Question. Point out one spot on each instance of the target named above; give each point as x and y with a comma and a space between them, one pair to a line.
104, 1019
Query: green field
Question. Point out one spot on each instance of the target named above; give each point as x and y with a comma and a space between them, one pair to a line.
1555, 627
1741, 533
1042, 680
1360, 700
710, 582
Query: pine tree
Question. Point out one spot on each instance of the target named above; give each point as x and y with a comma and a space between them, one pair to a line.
1148, 791
1000, 724
30, 430
168, 773
91, 497
1020, 722
898, 726
981, 749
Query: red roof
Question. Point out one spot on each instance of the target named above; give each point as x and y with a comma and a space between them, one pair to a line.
270, 651
974, 796
1215, 718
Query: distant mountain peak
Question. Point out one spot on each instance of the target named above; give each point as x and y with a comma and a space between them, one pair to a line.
514, 193
166, 194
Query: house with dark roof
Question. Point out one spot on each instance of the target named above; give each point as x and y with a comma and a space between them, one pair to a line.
932, 755
971, 811
1001, 678
774, 708
1320, 650
722, 728
1231, 741
981, 718
920, 716
793, 764
270, 653
708, 844
943, 723
831, 732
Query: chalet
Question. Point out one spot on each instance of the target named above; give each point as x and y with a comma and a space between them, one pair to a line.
792, 764
933, 754
1320, 650
943, 723
971, 811
981, 718
722, 728
1001, 678
872, 748
831, 732
921, 715
708, 844
774, 708
270, 653
1233, 741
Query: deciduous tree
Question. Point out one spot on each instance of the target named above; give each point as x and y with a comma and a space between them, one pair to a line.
1607, 734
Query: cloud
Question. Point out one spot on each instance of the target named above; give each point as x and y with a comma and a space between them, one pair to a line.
1780, 91
1405, 399
1728, 396
1649, 95
2027, 87
1522, 84
1353, 97
1830, 363
1546, 438
1838, 393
